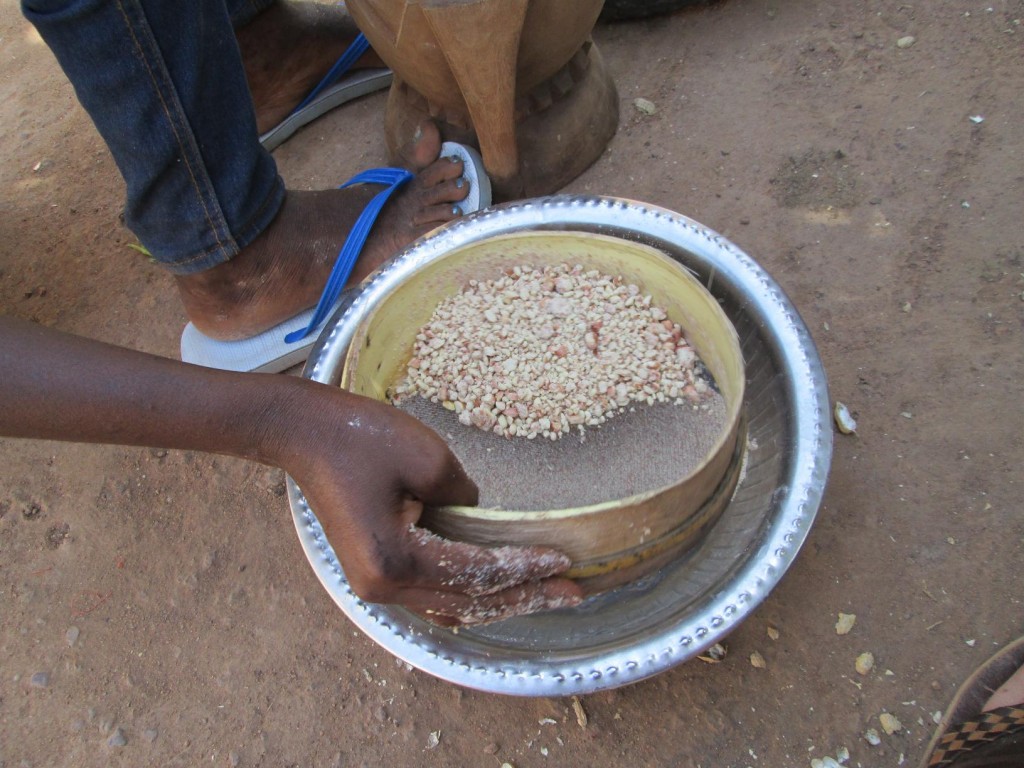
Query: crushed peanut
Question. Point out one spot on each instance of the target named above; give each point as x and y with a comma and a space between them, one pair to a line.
539, 351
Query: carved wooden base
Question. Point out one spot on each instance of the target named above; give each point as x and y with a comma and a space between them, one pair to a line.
562, 125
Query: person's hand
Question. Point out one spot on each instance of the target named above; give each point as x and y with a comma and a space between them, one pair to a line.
367, 470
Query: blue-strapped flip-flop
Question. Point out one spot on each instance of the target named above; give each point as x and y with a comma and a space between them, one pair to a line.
289, 343
338, 86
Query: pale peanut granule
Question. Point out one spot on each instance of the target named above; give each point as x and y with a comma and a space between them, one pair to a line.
538, 351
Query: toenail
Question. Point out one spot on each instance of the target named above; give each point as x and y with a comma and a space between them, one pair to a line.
460, 183
454, 159
419, 133
456, 211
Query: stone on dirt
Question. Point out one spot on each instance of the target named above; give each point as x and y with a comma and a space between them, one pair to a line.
117, 738
845, 623
864, 663
645, 106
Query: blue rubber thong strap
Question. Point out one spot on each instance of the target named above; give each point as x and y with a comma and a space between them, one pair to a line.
351, 55
393, 178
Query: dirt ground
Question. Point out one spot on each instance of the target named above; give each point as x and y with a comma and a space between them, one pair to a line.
161, 599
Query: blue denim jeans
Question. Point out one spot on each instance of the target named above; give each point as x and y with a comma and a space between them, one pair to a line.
164, 83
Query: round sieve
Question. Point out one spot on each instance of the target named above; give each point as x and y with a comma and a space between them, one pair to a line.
620, 498
638, 630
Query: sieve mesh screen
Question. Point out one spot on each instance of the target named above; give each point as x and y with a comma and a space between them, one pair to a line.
643, 449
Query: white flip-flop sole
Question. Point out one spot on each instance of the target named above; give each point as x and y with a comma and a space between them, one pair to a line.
479, 196
268, 352
355, 84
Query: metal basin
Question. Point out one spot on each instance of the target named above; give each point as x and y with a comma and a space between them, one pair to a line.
669, 616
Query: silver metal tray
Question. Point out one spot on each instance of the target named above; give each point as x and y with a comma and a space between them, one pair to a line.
668, 617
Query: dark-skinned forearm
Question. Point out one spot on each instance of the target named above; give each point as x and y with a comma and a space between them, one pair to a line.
367, 468
62, 387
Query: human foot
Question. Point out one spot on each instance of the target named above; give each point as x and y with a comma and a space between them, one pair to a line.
288, 49
284, 270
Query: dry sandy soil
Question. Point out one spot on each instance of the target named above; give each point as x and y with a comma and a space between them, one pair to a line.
165, 600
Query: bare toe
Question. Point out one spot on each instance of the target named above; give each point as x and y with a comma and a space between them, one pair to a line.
424, 148
453, 191
441, 170
438, 214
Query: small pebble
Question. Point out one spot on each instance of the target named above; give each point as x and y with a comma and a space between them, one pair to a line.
714, 654
150, 735
773, 633
117, 738
645, 106
234, 759
890, 724
871, 737
757, 661
71, 636
845, 623
491, 749
864, 663
581, 713
842, 755
906, 42
40, 680
844, 419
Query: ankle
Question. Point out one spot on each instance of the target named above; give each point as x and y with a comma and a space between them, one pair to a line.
287, 49
280, 273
